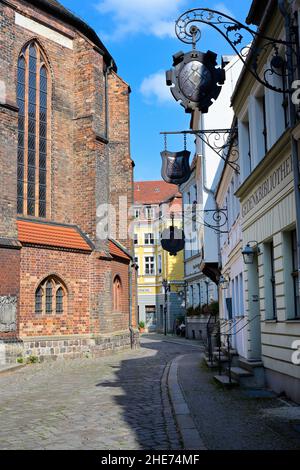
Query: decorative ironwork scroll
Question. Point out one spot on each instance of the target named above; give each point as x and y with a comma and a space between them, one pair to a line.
224, 142
218, 220
249, 45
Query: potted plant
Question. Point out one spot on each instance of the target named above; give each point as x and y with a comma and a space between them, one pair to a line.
142, 327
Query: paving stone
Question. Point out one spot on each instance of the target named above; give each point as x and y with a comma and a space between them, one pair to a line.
228, 419
113, 402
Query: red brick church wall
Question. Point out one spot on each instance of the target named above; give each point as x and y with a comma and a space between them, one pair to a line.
85, 171
73, 270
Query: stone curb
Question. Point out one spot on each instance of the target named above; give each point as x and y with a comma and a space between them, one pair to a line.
11, 368
187, 428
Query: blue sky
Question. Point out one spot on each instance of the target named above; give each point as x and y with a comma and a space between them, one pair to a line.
139, 35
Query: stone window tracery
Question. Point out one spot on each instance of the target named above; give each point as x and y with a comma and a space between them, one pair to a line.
33, 98
50, 297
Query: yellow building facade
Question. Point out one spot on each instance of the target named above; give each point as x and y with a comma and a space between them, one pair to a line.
155, 201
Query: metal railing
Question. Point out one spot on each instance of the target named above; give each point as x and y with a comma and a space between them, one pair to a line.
214, 330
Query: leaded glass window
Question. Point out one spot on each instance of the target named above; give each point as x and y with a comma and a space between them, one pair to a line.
59, 300
33, 128
51, 297
39, 300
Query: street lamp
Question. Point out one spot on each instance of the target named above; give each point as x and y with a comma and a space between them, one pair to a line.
224, 282
167, 289
249, 252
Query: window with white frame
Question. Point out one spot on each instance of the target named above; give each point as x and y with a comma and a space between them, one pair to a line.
244, 147
149, 238
258, 127
270, 281
277, 105
295, 274
199, 293
241, 296
149, 212
136, 239
191, 296
149, 265
196, 193
159, 264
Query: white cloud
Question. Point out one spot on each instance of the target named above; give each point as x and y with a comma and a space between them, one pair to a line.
155, 86
154, 17
221, 7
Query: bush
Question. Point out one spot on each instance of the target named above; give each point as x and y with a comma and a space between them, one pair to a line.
142, 325
190, 312
211, 309
198, 311
32, 359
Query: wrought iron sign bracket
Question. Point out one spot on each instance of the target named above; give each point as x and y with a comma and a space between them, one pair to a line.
219, 220
248, 45
223, 142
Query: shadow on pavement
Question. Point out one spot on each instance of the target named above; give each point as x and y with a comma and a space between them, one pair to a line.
143, 402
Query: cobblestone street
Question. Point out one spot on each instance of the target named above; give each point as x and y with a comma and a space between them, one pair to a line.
115, 402
121, 402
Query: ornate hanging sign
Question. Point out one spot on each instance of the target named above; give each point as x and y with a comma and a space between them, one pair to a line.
176, 165
195, 80
173, 239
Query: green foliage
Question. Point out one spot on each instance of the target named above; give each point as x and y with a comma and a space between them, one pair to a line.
32, 360
211, 309
198, 311
20, 360
142, 325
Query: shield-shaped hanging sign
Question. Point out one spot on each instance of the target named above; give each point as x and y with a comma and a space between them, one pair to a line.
176, 167
173, 240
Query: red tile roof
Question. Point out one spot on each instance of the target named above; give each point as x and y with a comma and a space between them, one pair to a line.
53, 235
115, 250
153, 192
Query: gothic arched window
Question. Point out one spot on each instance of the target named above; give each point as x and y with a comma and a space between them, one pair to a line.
117, 294
50, 297
33, 98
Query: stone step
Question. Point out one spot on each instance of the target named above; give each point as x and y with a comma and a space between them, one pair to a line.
248, 365
225, 382
210, 364
238, 372
233, 352
222, 358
